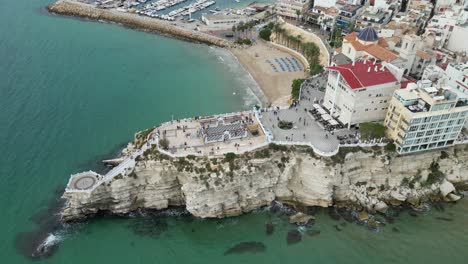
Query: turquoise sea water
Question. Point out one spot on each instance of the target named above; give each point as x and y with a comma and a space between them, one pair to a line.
73, 92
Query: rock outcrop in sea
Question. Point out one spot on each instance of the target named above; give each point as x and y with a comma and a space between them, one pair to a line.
370, 179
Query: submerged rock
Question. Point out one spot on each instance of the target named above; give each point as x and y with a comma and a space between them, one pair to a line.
333, 213
148, 226
301, 219
313, 232
413, 213
246, 247
294, 237
363, 216
444, 219
395, 230
372, 224
338, 227
269, 228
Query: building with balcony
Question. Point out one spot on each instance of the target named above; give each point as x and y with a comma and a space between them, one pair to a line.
360, 91
422, 60
457, 76
347, 15
291, 8
423, 117
323, 17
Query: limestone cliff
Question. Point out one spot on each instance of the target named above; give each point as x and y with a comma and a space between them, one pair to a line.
220, 187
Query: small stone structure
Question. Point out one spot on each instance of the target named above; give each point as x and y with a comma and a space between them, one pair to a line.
83, 181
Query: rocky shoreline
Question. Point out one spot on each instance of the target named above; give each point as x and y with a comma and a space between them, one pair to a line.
362, 180
133, 21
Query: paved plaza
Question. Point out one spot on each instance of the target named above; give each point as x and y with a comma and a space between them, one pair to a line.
186, 138
305, 128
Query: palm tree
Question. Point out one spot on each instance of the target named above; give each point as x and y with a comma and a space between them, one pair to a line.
298, 14
299, 41
234, 31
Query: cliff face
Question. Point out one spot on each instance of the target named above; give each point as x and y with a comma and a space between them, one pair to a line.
369, 178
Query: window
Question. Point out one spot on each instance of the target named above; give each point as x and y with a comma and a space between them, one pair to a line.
423, 127
436, 118
420, 134
435, 138
454, 115
447, 130
460, 121
411, 135
453, 135
427, 119
413, 128
442, 124
438, 131
429, 133
450, 123
417, 121
433, 125
446, 116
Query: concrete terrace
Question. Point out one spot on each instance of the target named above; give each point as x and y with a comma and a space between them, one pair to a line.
186, 137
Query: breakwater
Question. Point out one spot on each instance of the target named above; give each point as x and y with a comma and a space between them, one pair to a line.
134, 21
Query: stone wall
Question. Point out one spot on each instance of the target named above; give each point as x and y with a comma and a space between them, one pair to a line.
362, 178
134, 21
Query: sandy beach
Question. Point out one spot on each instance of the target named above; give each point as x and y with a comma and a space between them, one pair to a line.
275, 85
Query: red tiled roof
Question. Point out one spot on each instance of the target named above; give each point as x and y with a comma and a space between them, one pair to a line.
351, 36
380, 53
404, 83
357, 76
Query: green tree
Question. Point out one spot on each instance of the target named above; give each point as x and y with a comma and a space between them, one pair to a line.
298, 14
296, 88
265, 34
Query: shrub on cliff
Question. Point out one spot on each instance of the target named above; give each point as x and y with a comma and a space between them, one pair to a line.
391, 147
164, 143
435, 175
230, 156
371, 131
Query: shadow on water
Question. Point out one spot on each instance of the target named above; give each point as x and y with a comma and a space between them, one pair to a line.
153, 223
95, 162
246, 247
43, 241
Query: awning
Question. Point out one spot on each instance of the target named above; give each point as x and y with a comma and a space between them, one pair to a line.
322, 112
332, 122
326, 117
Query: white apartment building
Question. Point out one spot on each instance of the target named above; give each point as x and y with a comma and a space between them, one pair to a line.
422, 117
289, 8
457, 76
360, 91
